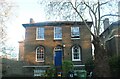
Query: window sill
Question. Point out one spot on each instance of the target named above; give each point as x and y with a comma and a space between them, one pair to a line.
76, 60
40, 61
40, 39
57, 38
75, 38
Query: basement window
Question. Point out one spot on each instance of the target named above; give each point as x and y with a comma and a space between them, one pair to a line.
38, 72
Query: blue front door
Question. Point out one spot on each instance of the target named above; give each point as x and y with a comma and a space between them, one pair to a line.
58, 58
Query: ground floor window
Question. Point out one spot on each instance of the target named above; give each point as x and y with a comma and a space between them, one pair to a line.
40, 54
76, 53
38, 72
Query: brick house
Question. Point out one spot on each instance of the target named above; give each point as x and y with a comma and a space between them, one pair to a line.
111, 37
50, 43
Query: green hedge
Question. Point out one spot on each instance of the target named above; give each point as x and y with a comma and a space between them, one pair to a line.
114, 63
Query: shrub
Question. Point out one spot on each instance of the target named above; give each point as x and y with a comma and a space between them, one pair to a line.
50, 72
66, 67
89, 65
114, 63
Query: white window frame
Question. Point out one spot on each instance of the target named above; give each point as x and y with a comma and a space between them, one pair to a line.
37, 30
78, 53
42, 59
75, 36
38, 72
55, 34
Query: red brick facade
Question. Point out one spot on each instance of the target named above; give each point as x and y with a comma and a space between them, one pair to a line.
49, 43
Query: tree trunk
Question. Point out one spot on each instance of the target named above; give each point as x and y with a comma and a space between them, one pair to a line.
101, 63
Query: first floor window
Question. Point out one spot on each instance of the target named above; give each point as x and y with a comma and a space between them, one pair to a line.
40, 33
75, 32
76, 53
40, 54
57, 32
38, 72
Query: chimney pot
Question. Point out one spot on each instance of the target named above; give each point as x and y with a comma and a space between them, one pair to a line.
31, 20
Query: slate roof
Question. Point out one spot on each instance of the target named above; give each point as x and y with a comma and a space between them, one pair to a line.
113, 25
55, 23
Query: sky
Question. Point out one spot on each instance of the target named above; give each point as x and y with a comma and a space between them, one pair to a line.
25, 10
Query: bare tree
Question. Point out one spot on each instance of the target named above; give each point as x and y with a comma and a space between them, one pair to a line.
60, 10
102, 68
96, 12
5, 15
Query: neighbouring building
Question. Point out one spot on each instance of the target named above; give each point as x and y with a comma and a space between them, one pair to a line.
21, 50
50, 43
111, 37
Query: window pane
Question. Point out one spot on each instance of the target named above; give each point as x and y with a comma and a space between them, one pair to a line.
76, 49
57, 32
76, 53
40, 33
39, 72
40, 54
75, 32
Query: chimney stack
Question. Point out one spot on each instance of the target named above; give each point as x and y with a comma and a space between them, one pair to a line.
106, 23
31, 20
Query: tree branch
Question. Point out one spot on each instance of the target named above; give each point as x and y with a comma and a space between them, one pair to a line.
100, 5
90, 9
109, 15
82, 19
93, 14
79, 5
92, 21
98, 30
